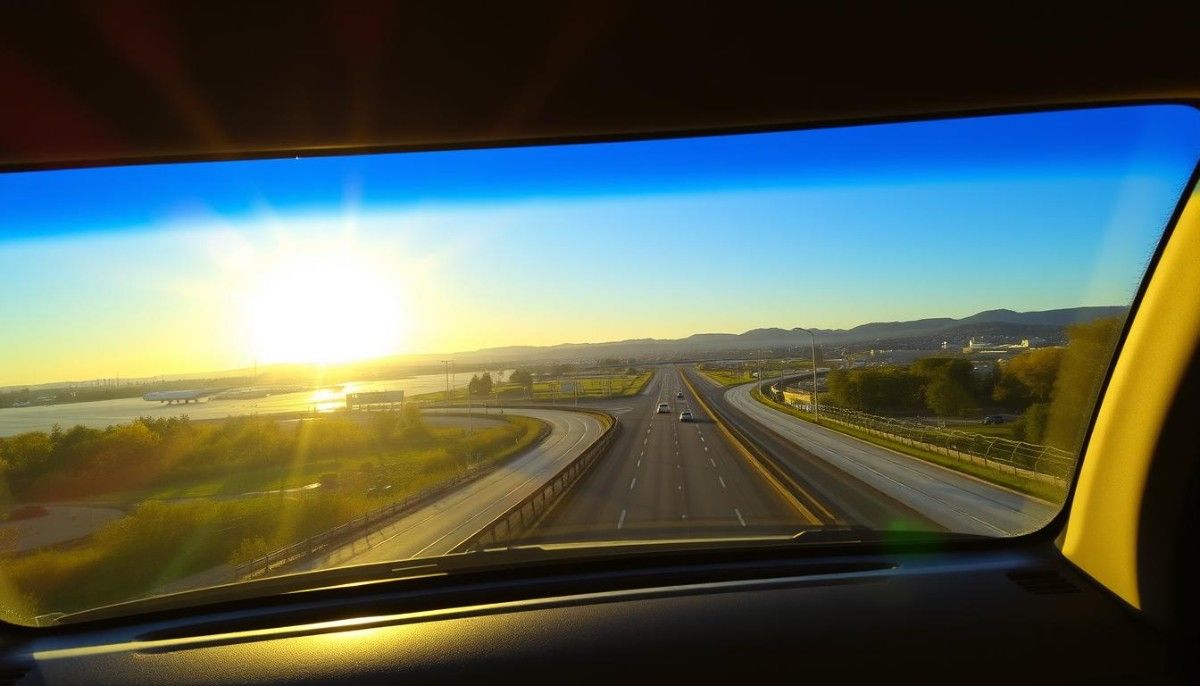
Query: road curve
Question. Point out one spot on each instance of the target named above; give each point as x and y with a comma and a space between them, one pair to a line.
954, 500
439, 527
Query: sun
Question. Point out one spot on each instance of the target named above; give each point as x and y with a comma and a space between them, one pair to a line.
325, 306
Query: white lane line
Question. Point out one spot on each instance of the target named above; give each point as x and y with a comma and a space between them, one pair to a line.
621, 521
639, 463
643, 453
678, 466
647, 440
739, 515
714, 462
706, 447
722, 480
680, 487
632, 483
702, 438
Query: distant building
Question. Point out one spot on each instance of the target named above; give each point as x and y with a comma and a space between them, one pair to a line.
980, 347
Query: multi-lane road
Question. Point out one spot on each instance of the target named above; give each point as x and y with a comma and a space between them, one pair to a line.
953, 500
444, 524
664, 478
667, 478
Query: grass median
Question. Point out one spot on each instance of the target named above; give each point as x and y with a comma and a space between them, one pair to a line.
1034, 487
612, 386
736, 377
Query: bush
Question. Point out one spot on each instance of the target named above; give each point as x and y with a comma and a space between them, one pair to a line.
1031, 426
251, 548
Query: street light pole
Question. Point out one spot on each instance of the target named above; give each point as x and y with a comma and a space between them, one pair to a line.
813, 340
446, 367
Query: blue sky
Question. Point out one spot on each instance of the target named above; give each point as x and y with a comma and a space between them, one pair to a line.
150, 269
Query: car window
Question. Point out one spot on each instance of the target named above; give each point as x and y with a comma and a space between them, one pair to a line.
214, 372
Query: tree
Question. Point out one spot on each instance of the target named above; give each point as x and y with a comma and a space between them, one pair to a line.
1031, 426
522, 378
385, 424
843, 389
1036, 370
1084, 364
485, 384
949, 397
949, 385
1010, 392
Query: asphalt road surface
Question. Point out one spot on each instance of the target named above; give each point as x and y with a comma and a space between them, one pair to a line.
664, 478
953, 500
440, 526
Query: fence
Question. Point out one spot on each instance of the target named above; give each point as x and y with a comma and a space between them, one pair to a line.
529, 511
1030, 460
360, 526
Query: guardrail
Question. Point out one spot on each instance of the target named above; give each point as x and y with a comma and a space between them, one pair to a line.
1030, 460
809, 507
363, 525
527, 513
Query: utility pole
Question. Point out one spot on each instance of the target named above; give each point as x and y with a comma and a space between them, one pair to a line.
446, 367
781, 379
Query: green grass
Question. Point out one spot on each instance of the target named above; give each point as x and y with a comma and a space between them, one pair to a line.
225, 482
1034, 487
734, 377
160, 542
615, 386
727, 377
997, 430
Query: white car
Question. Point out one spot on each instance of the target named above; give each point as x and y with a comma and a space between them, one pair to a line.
679, 395
685, 416
664, 408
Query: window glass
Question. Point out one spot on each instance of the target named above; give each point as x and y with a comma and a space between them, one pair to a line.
221, 371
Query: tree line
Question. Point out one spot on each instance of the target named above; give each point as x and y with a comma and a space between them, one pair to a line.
1052, 389
78, 461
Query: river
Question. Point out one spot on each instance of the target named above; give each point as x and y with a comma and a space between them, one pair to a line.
102, 413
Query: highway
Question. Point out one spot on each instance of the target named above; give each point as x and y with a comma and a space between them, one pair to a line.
953, 500
667, 478
440, 526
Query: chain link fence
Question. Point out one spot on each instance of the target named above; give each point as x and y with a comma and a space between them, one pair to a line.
1030, 460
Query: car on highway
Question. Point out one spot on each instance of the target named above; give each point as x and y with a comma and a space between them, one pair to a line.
664, 408
685, 416
995, 419
679, 395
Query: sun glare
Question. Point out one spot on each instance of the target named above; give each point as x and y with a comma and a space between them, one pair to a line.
325, 307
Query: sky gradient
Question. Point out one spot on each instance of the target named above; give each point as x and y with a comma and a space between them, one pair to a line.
206, 266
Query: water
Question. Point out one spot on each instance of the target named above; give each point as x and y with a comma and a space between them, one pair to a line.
102, 413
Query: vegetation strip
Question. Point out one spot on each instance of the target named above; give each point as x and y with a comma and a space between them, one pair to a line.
1037, 488
218, 494
279, 559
